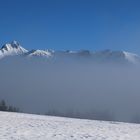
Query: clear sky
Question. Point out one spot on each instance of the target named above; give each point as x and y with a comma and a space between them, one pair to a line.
71, 24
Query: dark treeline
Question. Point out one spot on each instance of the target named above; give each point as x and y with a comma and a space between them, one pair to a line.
9, 108
93, 115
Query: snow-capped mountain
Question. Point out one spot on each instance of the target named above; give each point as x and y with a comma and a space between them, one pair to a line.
14, 48
39, 53
10, 49
119, 56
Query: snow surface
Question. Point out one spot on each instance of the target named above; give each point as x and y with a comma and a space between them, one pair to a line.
19, 126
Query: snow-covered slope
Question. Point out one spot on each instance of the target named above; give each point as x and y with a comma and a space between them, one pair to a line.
11, 49
16, 126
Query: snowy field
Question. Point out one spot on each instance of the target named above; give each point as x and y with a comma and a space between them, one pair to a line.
17, 126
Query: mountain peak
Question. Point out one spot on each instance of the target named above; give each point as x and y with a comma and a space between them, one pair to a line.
42, 53
10, 49
15, 43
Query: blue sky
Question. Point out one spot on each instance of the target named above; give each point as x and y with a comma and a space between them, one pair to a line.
71, 24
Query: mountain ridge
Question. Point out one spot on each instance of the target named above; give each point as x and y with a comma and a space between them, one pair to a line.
15, 49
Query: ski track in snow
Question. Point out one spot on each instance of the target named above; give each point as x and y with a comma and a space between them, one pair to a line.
19, 126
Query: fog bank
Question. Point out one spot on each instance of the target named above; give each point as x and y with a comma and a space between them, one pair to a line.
39, 86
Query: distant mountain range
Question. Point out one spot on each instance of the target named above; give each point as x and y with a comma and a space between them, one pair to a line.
15, 49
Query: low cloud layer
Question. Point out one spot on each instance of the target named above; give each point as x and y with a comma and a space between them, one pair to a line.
38, 86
